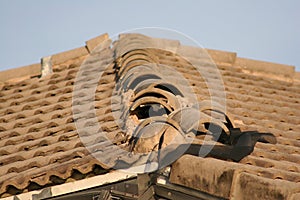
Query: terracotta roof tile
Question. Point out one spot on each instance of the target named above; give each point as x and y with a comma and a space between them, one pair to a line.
40, 143
94, 42
16, 74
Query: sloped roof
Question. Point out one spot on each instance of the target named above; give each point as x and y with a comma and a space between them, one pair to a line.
40, 145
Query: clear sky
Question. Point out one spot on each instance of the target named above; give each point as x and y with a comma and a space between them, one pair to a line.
260, 29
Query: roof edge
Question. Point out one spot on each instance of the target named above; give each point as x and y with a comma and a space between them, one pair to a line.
21, 73
275, 70
25, 72
222, 56
75, 186
256, 67
62, 57
93, 43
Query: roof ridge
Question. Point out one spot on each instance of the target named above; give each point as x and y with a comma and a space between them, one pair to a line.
262, 68
256, 67
28, 71
46, 132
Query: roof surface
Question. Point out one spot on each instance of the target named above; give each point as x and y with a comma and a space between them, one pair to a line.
40, 145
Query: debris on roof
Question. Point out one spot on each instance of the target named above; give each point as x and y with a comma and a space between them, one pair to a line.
155, 101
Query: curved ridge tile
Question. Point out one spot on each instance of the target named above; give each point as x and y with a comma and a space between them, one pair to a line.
40, 146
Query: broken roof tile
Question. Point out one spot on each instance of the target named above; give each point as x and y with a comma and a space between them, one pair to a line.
40, 143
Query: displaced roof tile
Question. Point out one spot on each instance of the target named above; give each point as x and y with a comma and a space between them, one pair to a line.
40, 144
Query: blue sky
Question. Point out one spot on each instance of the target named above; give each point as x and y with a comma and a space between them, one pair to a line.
259, 29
